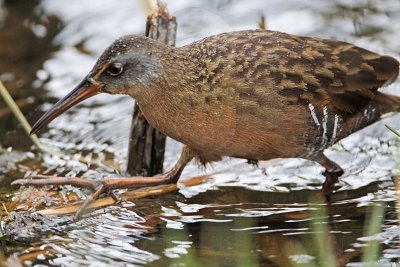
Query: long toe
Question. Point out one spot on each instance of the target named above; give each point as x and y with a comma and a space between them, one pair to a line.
53, 180
20, 182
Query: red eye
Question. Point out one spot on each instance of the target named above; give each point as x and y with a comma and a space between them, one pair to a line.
115, 69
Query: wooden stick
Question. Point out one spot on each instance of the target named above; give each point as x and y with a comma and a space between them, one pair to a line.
146, 144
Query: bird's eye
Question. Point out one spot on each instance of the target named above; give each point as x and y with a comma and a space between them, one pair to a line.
115, 69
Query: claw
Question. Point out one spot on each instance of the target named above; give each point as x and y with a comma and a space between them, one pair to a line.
40, 176
27, 181
41, 180
116, 197
109, 184
101, 188
20, 182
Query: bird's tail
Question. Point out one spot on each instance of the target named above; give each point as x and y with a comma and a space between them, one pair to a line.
387, 103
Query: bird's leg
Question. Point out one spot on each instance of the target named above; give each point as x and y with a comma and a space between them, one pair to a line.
109, 184
332, 172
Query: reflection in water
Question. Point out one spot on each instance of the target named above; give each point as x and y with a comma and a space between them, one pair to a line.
243, 214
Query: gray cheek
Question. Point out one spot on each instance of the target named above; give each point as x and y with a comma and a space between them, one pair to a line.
146, 70
148, 76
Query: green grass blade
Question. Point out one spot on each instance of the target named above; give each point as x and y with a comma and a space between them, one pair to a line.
244, 243
321, 239
397, 133
373, 227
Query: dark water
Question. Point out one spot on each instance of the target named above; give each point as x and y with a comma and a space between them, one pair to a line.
242, 215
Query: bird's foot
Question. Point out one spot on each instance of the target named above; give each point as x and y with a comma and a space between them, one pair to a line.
331, 177
98, 187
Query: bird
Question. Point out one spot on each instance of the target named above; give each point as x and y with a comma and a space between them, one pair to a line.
252, 94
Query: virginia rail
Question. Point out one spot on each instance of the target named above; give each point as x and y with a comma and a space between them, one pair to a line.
252, 94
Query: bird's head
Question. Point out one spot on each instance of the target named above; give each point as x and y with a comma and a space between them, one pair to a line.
129, 66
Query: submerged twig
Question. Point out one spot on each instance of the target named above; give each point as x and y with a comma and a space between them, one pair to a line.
4, 207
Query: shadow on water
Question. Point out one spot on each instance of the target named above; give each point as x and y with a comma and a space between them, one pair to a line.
243, 215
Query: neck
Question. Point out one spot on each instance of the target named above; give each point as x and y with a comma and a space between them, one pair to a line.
166, 103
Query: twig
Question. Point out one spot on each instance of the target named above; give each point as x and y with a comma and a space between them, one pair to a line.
4, 207
262, 25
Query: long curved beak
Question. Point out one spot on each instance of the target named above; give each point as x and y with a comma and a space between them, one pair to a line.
85, 89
